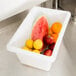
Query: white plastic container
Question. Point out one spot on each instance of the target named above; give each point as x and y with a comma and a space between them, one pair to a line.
24, 31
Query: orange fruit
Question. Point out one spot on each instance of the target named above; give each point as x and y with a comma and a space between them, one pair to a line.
55, 36
50, 32
56, 27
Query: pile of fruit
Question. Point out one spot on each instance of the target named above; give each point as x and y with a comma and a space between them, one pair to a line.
43, 38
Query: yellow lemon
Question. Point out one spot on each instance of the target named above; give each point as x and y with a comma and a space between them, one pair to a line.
36, 51
26, 48
38, 44
29, 43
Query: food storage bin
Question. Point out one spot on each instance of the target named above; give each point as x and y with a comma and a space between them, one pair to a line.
24, 32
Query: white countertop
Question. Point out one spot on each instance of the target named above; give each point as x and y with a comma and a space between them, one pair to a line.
9, 8
10, 65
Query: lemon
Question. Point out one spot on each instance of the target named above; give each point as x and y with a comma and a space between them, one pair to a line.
26, 48
29, 43
36, 51
38, 44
